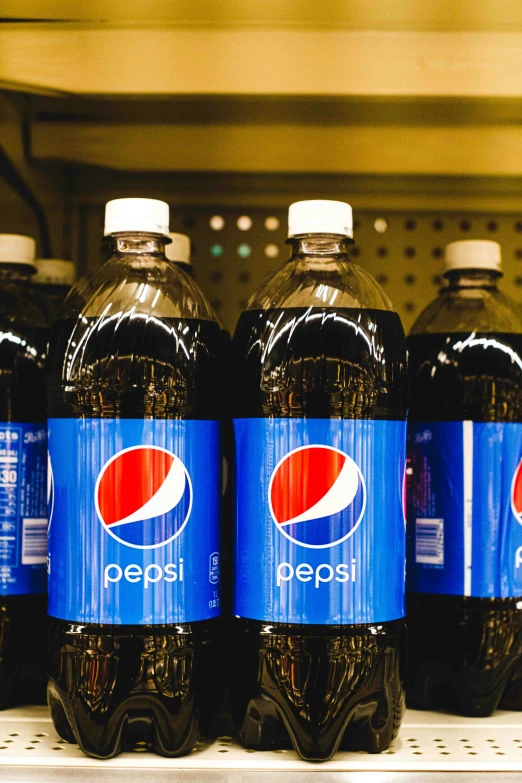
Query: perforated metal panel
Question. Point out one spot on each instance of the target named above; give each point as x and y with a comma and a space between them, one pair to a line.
403, 250
429, 742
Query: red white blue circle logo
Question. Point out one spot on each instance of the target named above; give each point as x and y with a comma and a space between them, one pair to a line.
516, 493
143, 496
317, 496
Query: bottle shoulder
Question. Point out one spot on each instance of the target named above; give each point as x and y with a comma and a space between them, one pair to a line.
322, 283
475, 309
22, 305
151, 286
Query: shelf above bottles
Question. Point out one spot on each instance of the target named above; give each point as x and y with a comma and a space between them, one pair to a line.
278, 52
430, 746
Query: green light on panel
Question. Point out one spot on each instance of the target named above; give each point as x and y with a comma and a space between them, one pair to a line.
244, 250
216, 250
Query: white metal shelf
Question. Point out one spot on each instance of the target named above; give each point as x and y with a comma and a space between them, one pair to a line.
429, 743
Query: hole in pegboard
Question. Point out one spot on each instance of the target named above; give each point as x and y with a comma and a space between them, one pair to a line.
518, 253
518, 226
382, 252
409, 251
465, 225
216, 303
410, 224
216, 276
409, 279
271, 250
409, 307
382, 278
492, 225
188, 221
216, 250
244, 277
272, 223
518, 281
438, 224
244, 250
217, 222
437, 252
354, 251
437, 280
244, 223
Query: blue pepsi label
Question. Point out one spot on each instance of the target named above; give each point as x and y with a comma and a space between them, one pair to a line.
23, 508
320, 531
465, 508
134, 531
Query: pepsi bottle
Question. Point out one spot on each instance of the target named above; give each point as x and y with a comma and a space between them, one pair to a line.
319, 419
465, 491
23, 470
134, 563
54, 279
179, 252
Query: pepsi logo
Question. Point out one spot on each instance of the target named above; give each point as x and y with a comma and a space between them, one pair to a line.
516, 493
143, 496
317, 496
50, 492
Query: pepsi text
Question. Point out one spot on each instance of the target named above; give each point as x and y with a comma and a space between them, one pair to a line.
149, 575
321, 574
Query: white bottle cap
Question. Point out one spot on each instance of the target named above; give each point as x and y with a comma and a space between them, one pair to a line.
179, 249
17, 249
144, 215
320, 216
54, 271
473, 254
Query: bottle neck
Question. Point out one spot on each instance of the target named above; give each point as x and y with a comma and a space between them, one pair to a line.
326, 246
16, 271
136, 244
472, 278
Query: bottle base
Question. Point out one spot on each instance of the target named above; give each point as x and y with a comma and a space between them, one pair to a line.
318, 693
465, 654
111, 688
23, 675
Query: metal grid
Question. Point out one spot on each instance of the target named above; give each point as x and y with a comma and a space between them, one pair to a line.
235, 249
429, 742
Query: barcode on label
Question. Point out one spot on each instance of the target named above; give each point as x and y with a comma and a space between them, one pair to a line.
34, 541
429, 541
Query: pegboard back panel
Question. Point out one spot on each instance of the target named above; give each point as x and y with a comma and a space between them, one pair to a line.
234, 249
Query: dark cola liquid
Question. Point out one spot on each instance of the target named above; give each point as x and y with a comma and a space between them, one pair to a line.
465, 652
113, 686
319, 688
22, 617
